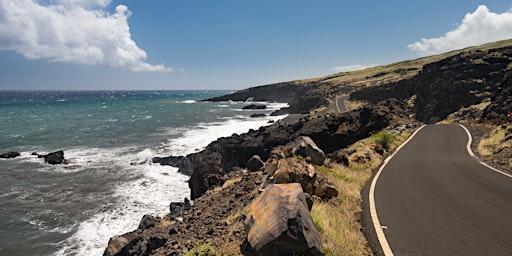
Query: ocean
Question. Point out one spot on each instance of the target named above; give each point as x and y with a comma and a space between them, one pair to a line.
74, 209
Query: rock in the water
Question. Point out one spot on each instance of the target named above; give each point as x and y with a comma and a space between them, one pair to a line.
279, 223
181, 162
258, 115
255, 163
254, 106
55, 157
10, 154
305, 147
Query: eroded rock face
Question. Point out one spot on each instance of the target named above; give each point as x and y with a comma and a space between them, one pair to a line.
279, 223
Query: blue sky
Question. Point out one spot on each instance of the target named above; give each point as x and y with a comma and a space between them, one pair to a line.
176, 44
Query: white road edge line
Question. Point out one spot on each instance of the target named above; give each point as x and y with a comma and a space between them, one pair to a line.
337, 107
468, 148
373, 209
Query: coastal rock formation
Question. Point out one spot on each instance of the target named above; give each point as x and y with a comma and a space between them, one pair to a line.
10, 154
279, 223
254, 107
330, 133
184, 164
55, 157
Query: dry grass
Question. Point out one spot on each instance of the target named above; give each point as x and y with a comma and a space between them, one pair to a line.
339, 225
496, 141
354, 104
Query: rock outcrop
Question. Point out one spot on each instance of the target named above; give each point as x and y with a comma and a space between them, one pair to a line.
330, 133
279, 223
10, 154
55, 157
255, 163
254, 107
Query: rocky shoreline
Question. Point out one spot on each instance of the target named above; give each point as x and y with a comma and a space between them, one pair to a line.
230, 176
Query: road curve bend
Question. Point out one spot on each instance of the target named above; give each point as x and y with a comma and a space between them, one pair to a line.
433, 198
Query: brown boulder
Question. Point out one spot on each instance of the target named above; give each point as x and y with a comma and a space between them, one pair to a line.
291, 170
279, 223
304, 146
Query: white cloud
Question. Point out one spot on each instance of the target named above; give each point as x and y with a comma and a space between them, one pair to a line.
479, 27
76, 31
353, 67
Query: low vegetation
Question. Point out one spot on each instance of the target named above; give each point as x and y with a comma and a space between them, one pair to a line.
496, 141
338, 221
203, 250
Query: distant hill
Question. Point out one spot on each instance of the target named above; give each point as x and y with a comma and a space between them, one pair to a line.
440, 84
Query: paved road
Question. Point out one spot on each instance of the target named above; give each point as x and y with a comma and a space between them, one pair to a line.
435, 199
340, 104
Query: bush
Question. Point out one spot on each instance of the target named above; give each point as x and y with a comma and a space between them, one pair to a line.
384, 139
203, 250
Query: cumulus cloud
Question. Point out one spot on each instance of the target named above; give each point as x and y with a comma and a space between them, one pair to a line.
353, 67
479, 27
76, 31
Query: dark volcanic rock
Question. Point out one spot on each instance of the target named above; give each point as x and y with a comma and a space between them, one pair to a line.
255, 163
500, 109
10, 154
258, 115
184, 164
148, 222
330, 133
55, 157
279, 223
254, 106
443, 87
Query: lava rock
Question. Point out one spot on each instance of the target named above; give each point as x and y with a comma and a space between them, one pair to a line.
254, 107
255, 163
55, 157
8, 155
279, 223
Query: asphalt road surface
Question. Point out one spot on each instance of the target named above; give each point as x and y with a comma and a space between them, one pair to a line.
340, 104
433, 198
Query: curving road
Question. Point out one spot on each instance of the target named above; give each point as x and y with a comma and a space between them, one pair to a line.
433, 198
340, 104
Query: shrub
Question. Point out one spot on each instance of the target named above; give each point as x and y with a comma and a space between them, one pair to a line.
203, 250
384, 139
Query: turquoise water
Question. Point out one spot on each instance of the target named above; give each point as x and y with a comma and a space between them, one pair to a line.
74, 209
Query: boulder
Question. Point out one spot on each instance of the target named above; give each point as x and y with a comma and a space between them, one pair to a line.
292, 170
257, 115
120, 245
325, 189
305, 147
255, 163
279, 223
254, 106
55, 157
10, 154
148, 222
